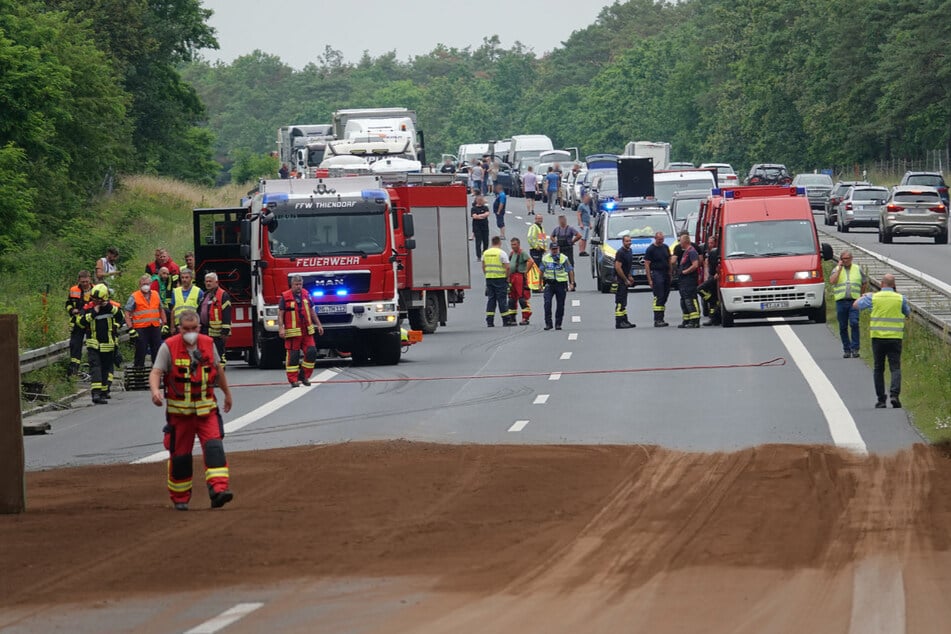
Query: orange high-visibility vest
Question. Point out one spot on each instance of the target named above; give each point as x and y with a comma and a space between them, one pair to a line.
146, 313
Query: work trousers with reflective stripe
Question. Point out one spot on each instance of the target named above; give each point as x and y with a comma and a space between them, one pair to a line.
660, 287
711, 297
519, 295
688, 297
496, 289
301, 355
148, 342
180, 435
76, 339
889, 349
620, 301
100, 371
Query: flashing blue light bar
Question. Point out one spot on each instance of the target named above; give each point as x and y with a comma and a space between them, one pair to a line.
341, 292
716, 191
730, 194
610, 205
800, 191
317, 293
273, 197
373, 194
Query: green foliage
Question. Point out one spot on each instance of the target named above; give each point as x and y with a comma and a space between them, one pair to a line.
249, 167
16, 214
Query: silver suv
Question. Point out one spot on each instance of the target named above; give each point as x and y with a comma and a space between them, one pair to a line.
818, 187
914, 211
861, 207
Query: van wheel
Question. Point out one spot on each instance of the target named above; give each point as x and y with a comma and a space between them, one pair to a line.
941, 238
886, 236
844, 228
726, 317
818, 314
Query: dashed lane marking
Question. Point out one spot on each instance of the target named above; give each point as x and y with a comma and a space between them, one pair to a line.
541, 399
554, 376
529, 224
518, 425
576, 302
225, 619
565, 356
576, 319
878, 597
288, 397
572, 336
517, 217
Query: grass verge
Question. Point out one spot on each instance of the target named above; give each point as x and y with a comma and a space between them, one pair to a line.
925, 372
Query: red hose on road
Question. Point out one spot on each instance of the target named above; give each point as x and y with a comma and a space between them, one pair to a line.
772, 363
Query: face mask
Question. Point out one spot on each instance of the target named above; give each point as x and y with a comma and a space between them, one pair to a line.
145, 288
190, 338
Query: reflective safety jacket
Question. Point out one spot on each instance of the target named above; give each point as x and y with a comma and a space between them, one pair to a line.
297, 316
101, 322
190, 385
146, 312
77, 300
849, 284
537, 240
555, 271
492, 258
183, 302
887, 321
216, 322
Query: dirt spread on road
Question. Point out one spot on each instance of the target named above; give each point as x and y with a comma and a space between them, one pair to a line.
480, 520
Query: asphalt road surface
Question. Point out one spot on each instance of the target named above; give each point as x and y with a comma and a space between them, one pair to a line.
579, 479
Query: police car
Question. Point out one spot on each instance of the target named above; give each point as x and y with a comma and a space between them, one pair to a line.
640, 220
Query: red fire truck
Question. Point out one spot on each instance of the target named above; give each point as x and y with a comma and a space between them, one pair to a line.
370, 253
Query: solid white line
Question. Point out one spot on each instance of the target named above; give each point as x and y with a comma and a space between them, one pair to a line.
576, 318
907, 270
554, 376
841, 424
878, 597
541, 399
288, 397
225, 619
576, 302
518, 425
572, 336
565, 356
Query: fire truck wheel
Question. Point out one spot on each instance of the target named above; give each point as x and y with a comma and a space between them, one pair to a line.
269, 352
427, 317
387, 348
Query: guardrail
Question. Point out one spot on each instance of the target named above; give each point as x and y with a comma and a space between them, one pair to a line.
39, 358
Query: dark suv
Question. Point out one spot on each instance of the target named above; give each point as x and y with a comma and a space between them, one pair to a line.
768, 174
930, 179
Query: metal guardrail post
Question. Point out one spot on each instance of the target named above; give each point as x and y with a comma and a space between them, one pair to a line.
12, 456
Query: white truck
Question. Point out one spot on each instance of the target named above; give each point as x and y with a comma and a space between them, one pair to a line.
396, 127
526, 148
657, 150
302, 146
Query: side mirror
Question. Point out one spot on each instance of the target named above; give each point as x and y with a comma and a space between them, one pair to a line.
245, 250
410, 244
408, 230
245, 237
595, 240
826, 251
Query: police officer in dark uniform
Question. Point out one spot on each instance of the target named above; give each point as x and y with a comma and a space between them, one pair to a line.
688, 264
709, 291
623, 261
657, 267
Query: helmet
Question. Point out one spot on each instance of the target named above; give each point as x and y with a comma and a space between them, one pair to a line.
100, 291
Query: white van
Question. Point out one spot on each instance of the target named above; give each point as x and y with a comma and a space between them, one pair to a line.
469, 152
528, 146
668, 182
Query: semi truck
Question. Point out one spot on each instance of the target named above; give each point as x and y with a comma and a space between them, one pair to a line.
372, 254
301, 147
394, 126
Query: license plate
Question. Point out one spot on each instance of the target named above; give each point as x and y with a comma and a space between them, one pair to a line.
331, 308
637, 271
772, 305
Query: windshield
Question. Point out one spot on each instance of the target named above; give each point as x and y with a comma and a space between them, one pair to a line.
315, 156
665, 190
769, 238
638, 226
931, 180
608, 186
526, 155
683, 207
814, 179
361, 229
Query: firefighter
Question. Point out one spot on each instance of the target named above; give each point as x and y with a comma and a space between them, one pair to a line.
519, 293
657, 267
558, 273
623, 261
191, 367
495, 266
145, 318
688, 264
99, 317
185, 297
296, 327
215, 312
79, 296
537, 240
709, 291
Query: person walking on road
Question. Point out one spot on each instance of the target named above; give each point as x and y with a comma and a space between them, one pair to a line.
657, 268
552, 183
688, 263
566, 236
584, 223
557, 273
623, 261
100, 317
190, 367
848, 282
886, 329
495, 266
79, 296
498, 209
296, 327
529, 187
537, 240
480, 224
215, 313
145, 318
519, 293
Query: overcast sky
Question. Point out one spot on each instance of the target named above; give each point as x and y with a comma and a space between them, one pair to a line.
297, 32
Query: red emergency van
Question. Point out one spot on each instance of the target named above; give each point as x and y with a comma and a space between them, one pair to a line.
771, 259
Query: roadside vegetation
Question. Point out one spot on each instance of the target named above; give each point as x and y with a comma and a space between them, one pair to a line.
925, 372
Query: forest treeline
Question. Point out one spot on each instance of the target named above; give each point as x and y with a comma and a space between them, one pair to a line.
91, 88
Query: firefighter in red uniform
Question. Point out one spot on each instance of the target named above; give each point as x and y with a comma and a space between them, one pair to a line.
296, 327
215, 313
163, 259
191, 367
79, 296
519, 293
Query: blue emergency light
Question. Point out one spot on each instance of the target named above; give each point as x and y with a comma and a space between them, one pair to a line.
341, 292
318, 294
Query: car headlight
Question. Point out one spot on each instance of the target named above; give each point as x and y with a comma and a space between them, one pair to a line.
742, 277
270, 311
806, 275
385, 308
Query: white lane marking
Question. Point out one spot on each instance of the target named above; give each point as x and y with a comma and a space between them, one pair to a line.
575, 319
528, 223
554, 376
288, 397
518, 425
565, 356
225, 619
576, 302
878, 597
517, 217
841, 424
572, 336
541, 399
907, 270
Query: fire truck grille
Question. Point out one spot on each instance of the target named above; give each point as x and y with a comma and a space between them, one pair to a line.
337, 320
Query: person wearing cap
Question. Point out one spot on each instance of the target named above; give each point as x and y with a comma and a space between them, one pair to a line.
557, 273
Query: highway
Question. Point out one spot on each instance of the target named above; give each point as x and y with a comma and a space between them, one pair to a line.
711, 395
